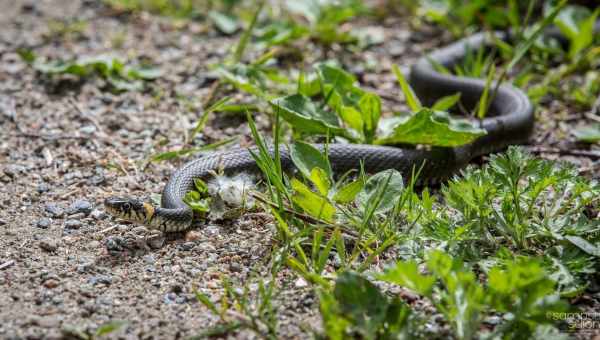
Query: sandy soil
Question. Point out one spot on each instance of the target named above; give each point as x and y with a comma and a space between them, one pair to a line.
66, 145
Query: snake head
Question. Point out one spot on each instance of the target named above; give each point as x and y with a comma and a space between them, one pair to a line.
130, 209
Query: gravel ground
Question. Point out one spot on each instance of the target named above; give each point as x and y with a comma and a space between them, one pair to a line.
68, 144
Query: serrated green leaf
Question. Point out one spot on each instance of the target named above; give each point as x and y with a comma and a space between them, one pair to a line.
361, 301
407, 274
432, 128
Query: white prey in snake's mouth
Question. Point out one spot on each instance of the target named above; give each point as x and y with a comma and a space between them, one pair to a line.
228, 197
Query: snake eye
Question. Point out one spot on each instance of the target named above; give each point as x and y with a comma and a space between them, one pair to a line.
127, 206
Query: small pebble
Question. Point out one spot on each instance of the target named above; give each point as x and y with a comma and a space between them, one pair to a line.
88, 129
42, 188
156, 242
98, 214
192, 235
54, 210
80, 206
170, 298
94, 244
43, 223
115, 243
48, 245
49, 321
97, 180
105, 279
211, 230
300, 283
235, 267
187, 246
149, 259
73, 224
51, 283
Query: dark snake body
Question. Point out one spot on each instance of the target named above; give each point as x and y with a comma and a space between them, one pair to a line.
510, 121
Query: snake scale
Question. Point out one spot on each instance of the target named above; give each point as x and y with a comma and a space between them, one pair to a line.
510, 121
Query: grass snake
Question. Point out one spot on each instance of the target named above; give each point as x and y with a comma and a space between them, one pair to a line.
510, 121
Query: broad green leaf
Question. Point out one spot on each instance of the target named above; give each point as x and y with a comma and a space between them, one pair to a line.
361, 301
310, 9
447, 102
312, 203
321, 180
306, 158
411, 99
335, 76
433, 128
385, 186
333, 323
370, 108
348, 192
586, 34
407, 274
351, 116
227, 24
588, 134
303, 115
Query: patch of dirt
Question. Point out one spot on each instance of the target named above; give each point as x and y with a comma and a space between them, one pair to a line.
66, 145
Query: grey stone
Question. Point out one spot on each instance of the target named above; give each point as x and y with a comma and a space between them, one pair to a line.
54, 210
42, 188
80, 206
73, 224
187, 246
149, 259
98, 214
104, 279
48, 245
156, 242
43, 223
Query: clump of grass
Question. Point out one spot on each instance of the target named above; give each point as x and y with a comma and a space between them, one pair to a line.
119, 76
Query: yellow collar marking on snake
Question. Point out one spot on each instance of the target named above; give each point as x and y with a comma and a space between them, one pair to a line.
149, 211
